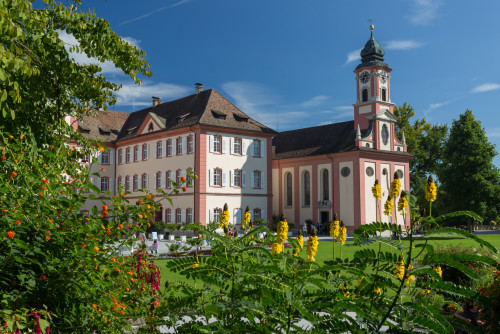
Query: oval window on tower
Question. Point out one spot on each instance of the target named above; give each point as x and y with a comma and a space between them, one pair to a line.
369, 171
400, 173
385, 134
345, 171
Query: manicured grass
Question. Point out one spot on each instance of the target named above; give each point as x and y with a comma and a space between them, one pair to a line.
325, 252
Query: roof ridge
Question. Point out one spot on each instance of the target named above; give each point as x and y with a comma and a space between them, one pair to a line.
316, 126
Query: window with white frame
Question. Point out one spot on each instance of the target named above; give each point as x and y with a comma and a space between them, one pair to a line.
136, 153
218, 177
257, 175
169, 179
178, 216
237, 178
168, 215
256, 148
105, 158
217, 212
144, 180
169, 147
218, 144
178, 175
159, 149
119, 182
104, 183
135, 183
158, 180
190, 142
189, 215
179, 146
127, 155
189, 178
257, 214
127, 183
120, 156
145, 152
237, 146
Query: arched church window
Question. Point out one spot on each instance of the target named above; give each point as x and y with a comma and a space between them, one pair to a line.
325, 185
288, 187
384, 94
307, 188
365, 95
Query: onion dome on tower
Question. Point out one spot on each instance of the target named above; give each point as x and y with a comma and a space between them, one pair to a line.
372, 54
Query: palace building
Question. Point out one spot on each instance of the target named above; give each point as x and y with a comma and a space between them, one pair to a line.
309, 174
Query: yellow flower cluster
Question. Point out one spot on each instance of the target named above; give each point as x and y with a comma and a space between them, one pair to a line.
430, 190
246, 219
438, 270
400, 271
300, 239
376, 190
334, 227
342, 233
403, 204
224, 217
277, 248
312, 246
345, 291
395, 186
426, 291
282, 230
377, 290
388, 206
196, 264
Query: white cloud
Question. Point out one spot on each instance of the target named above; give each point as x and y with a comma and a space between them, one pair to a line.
424, 11
485, 88
353, 56
325, 123
434, 106
402, 45
154, 11
493, 132
140, 96
315, 101
82, 59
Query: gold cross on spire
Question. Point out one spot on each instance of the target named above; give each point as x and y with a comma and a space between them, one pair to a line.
370, 20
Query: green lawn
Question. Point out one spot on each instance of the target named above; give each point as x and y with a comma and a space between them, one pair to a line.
325, 252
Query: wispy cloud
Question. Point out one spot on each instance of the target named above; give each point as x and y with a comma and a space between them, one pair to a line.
424, 11
353, 56
140, 96
315, 101
434, 106
154, 12
493, 132
402, 45
82, 59
485, 88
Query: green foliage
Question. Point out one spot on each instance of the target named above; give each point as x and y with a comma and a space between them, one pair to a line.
469, 179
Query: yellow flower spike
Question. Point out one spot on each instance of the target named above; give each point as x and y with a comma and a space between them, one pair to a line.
341, 238
312, 246
282, 230
395, 186
277, 248
246, 219
430, 190
403, 204
438, 270
388, 206
197, 262
377, 190
300, 239
400, 268
224, 217
334, 227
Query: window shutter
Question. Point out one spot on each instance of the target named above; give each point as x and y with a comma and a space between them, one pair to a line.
147, 181
210, 215
223, 176
164, 149
211, 139
263, 214
154, 182
161, 185
238, 216
262, 182
194, 141
99, 157
155, 150
251, 179
139, 154
262, 148
111, 184
210, 178
251, 148
243, 146
184, 145
112, 156
223, 144
183, 173
231, 177
183, 215
174, 147
243, 178
231, 145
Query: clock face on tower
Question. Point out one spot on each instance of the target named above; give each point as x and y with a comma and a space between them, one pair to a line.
365, 76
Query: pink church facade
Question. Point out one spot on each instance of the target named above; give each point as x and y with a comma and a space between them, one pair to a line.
330, 169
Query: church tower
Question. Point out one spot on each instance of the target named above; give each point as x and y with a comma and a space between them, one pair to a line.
373, 110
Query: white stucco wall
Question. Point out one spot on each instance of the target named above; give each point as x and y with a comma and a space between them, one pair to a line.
385, 183
402, 179
370, 202
346, 188
237, 202
276, 188
288, 210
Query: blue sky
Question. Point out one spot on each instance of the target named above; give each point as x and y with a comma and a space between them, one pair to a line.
289, 63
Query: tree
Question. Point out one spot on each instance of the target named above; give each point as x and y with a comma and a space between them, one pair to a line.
58, 266
468, 176
426, 142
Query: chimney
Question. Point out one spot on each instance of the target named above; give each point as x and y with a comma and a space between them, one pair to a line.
156, 101
199, 87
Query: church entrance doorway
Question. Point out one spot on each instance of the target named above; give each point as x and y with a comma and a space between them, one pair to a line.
324, 221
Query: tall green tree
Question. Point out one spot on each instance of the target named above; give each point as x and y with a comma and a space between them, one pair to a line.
468, 176
426, 142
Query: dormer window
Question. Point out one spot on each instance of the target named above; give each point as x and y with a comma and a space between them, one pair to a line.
219, 114
151, 127
240, 118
